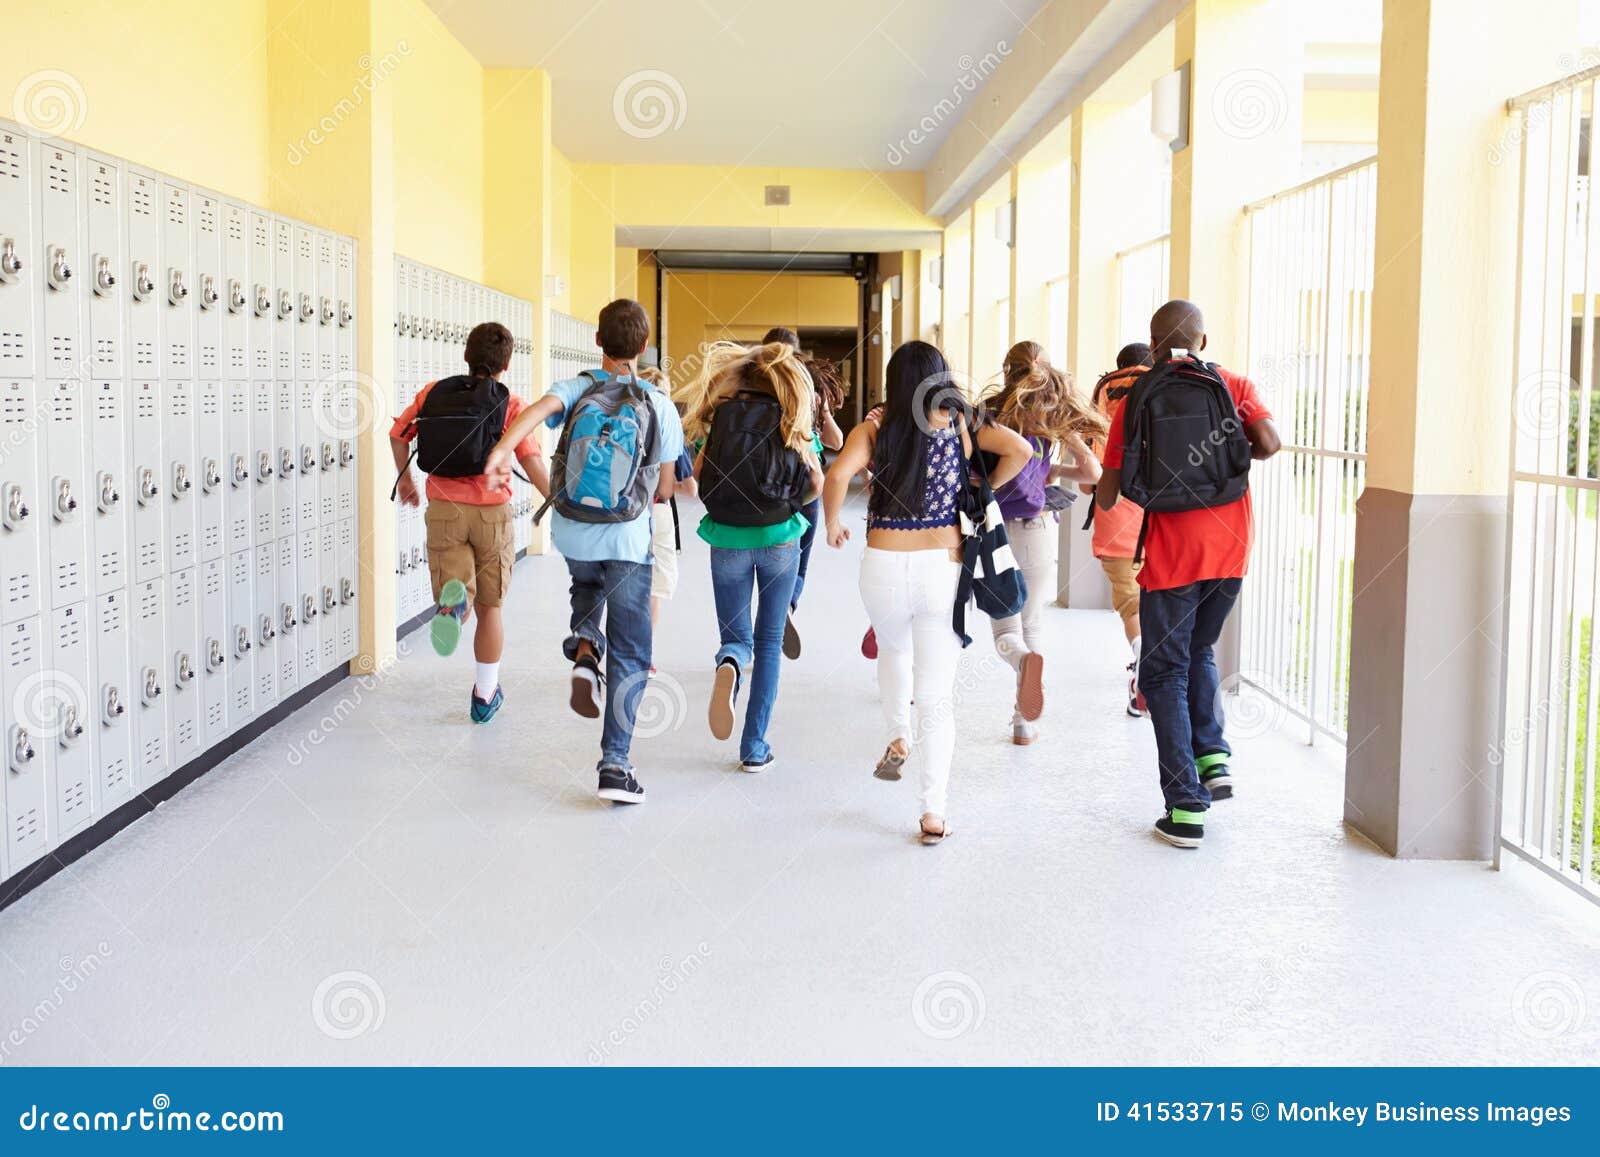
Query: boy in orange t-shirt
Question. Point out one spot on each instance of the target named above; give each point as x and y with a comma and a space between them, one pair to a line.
1194, 565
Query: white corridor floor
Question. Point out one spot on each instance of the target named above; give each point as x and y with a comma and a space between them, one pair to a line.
416, 889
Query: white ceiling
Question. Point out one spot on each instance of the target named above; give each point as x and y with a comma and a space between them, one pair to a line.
794, 83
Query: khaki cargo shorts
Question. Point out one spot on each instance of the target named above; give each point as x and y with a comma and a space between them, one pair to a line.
473, 544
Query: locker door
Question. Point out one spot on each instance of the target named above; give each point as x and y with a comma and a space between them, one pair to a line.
308, 483
22, 502
305, 315
287, 571
237, 291
264, 463
283, 287
112, 701
19, 250
27, 753
105, 264
62, 512
143, 242
62, 309
349, 572
150, 666
211, 486
265, 625
351, 404
103, 502
176, 283
207, 290
64, 715
240, 639
325, 394
288, 464
238, 472
346, 286
182, 484
184, 665
327, 307
308, 557
328, 597
147, 480
212, 655
261, 320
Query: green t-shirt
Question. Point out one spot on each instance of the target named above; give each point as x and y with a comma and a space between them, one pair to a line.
753, 537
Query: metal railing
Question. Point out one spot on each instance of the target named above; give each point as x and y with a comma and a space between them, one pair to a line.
1143, 273
1546, 756
1309, 346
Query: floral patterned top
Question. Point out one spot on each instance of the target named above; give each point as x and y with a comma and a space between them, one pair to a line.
940, 487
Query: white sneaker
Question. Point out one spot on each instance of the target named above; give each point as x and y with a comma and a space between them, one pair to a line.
1022, 732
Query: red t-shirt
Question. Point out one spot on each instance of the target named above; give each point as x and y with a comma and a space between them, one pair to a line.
473, 490
1185, 546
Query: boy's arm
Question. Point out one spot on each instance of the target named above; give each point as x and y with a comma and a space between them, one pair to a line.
538, 474
1264, 439
498, 466
1109, 488
406, 485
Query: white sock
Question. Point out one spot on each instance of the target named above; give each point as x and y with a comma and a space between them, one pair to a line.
488, 679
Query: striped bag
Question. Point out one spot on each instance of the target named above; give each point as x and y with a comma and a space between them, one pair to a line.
990, 576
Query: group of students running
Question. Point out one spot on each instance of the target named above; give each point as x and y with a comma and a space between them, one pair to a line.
747, 435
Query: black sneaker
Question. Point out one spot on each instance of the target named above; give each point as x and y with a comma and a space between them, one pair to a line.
724, 693
586, 683
791, 637
619, 786
1182, 829
755, 765
1215, 775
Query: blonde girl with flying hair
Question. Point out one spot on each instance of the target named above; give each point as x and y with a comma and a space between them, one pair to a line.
1037, 401
750, 410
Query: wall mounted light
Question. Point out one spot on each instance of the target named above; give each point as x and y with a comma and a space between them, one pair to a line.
1169, 108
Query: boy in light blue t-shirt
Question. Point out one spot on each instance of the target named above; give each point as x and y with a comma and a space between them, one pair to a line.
610, 562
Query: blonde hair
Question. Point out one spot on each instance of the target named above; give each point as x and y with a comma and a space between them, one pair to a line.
1037, 400
728, 368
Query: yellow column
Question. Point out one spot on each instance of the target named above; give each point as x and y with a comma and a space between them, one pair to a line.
516, 217
316, 57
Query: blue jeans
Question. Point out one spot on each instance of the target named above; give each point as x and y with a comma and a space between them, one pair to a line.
758, 650
621, 592
1178, 675
813, 511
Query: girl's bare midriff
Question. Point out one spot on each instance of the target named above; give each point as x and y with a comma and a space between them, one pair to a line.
931, 538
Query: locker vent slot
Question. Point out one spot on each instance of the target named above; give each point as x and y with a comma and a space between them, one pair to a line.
183, 733
111, 564
150, 602
67, 575
103, 191
68, 634
63, 349
26, 826
10, 162
58, 176
151, 749
11, 347
149, 555
19, 649
114, 775
177, 214
235, 227
74, 797
141, 200
208, 216
144, 354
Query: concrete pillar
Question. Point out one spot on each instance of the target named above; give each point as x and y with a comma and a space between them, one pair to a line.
316, 57
517, 250
1430, 528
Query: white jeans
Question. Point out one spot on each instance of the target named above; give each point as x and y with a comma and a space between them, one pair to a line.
1033, 542
910, 596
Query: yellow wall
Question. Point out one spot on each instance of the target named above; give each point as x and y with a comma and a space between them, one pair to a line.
687, 195
203, 119
593, 247
704, 307
561, 229
1339, 115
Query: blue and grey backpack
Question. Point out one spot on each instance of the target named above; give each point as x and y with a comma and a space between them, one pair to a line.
605, 466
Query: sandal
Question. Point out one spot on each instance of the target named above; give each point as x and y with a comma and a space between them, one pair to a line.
891, 763
931, 838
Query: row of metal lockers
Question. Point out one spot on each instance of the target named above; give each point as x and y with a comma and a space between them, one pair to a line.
178, 502
434, 312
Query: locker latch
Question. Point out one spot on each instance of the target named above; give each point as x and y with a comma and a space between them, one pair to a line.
60, 271
308, 458
268, 631
177, 291
403, 565
10, 263
285, 463
330, 457
236, 301
143, 284
210, 476
181, 484
402, 326
263, 465
347, 592
148, 489
346, 315
71, 729
347, 452
327, 311
416, 556
308, 608
104, 280
241, 643
107, 486
241, 472
208, 291
285, 304
307, 310
150, 686
111, 708
330, 601
183, 673
288, 617
215, 656
65, 504
16, 510
263, 301
19, 748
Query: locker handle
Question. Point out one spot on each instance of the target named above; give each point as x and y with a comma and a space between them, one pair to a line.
210, 476
104, 280
268, 631
241, 644
177, 291
16, 510
143, 284
66, 504
307, 310
330, 601
70, 729
308, 608
347, 452
285, 463
208, 291
180, 480
285, 304
236, 299
112, 707
241, 472
60, 271
263, 301
346, 315
184, 673
19, 748
329, 456
347, 591
10, 263
289, 620
308, 459
147, 486
215, 657
109, 498
150, 681
327, 311
264, 466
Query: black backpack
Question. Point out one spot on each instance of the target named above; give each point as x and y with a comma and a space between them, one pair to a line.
459, 422
749, 477
1183, 445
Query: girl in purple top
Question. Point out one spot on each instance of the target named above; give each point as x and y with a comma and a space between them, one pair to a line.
1037, 401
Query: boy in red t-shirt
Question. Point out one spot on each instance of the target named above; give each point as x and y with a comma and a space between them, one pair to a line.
1194, 565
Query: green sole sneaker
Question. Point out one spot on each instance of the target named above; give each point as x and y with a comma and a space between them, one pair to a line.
445, 630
